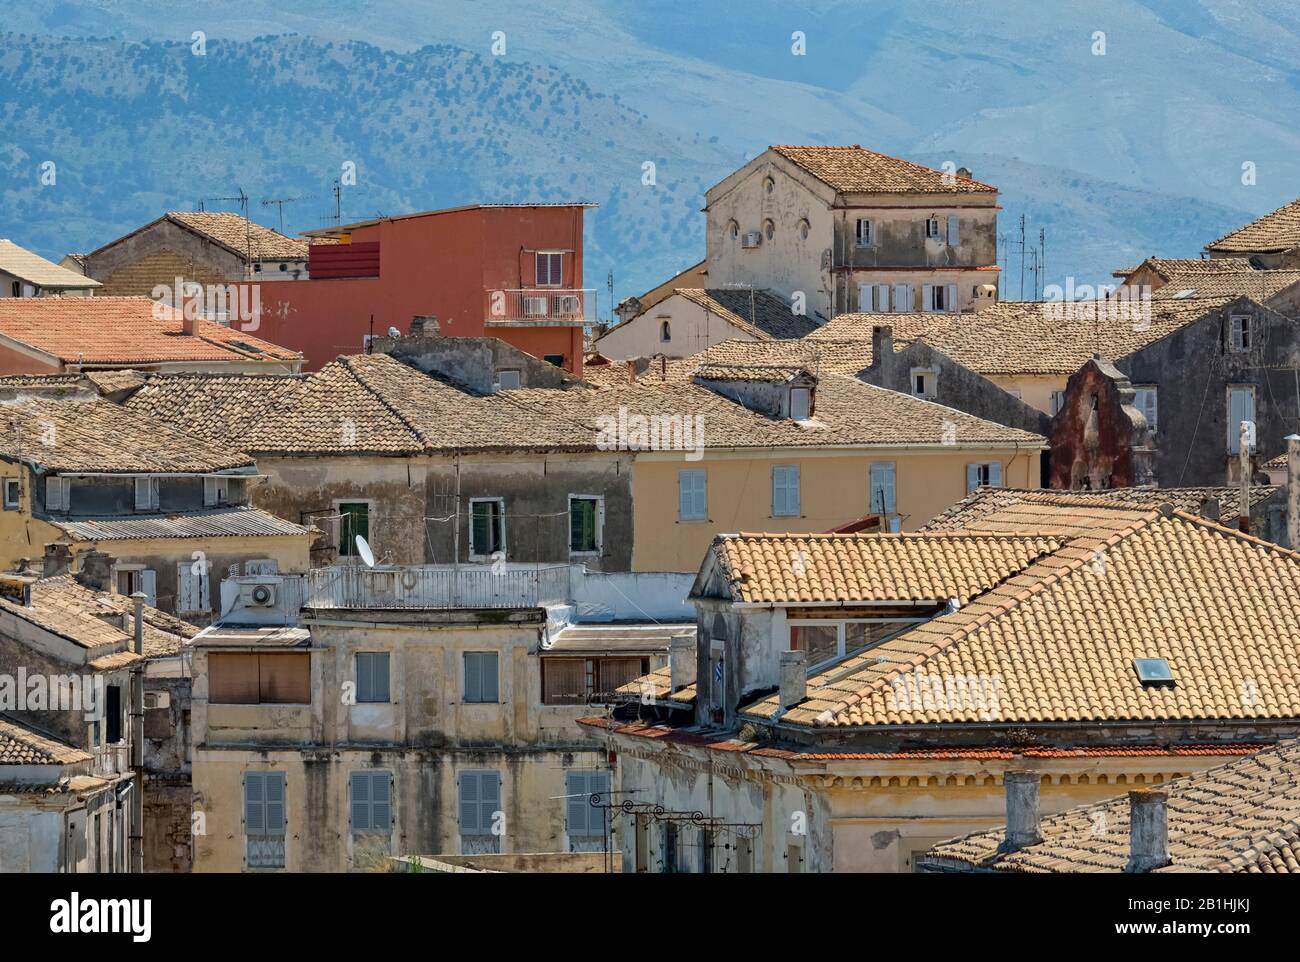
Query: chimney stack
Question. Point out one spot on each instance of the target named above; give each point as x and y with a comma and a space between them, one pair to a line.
681, 661
1148, 823
882, 343
58, 559
96, 571
1210, 509
1022, 811
794, 678
631, 371
1293, 491
424, 325
191, 309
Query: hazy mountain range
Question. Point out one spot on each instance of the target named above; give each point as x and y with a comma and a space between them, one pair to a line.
1135, 151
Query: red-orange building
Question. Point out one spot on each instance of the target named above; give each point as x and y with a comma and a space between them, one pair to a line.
512, 271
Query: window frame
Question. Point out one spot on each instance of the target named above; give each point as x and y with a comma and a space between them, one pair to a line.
840, 625
519, 379
474, 553
892, 506
807, 394
931, 375
934, 234
703, 475
858, 241
348, 548
370, 776
1239, 337
798, 491
1138, 391
480, 829
368, 697
982, 469
1234, 430
549, 272
16, 486
465, 677
598, 525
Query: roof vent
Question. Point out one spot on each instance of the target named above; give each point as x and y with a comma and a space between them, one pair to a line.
1154, 672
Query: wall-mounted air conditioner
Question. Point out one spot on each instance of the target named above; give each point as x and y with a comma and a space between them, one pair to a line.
570, 304
751, 238
259, 594
535, 306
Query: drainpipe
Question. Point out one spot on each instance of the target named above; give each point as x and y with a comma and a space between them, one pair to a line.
1293, 491
137, 738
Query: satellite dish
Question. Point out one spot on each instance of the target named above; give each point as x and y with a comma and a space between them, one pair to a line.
394, 332
363, 549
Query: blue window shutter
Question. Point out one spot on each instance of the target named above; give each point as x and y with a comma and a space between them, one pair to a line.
995, 474
954, 230
488, 676
491, 801
577, 804
254, 804
363, 677
473, 677
972, 477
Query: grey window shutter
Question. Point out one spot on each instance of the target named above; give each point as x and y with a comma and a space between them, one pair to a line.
360, 801
209, 490
488, 676
149, 585
363, 676
491, 801
578, 804
950, 299
381, 801
882, 297
254, 804
927, 297
469, 802
995, 474
473, 677
954, 230
972, 477
274, 783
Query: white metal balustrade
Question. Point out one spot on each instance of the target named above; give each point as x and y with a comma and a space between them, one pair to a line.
435, 586
541, 305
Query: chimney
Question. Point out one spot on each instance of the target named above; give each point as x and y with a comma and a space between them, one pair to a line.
794, 678
1293, 491
964, 173
631, 371
882, 343
424, 325
96, 571
1210, 509
1022, 811
191, 309
1148, 825
681, 661
58, 559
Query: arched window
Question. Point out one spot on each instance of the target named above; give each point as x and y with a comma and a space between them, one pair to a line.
719, 628
733, 228
665, 332
769, 184
803, 229
769, 228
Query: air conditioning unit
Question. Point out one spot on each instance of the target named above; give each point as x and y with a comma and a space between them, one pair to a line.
570, 304
752, 238
534, 306
382, 582
157, 699
259, 594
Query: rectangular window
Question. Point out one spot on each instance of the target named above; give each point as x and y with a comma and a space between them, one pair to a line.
706, 851
932, 227
487, 526
1241, 407
13, 494
882, 488
873, 298
785, 491
584, 822
821, 642
146, 494
254, 678
585, 517
1058, 402
192, 588
113, 714
670, 856
216, 491
1144, 398
863, 232
800, 403
481, 677
508, 379
372, 801
478, 804
1239, 333
954, 230
550, 269
132, 578
983, 474
564, 681
372, 677
902, 298
607, 675
354, 520
925, 382
264, 817
57, 493
692, 495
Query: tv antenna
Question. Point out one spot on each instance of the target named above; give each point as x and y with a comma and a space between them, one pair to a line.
279, 202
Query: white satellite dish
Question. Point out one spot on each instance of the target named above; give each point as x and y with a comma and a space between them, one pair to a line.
363, 549
394, 332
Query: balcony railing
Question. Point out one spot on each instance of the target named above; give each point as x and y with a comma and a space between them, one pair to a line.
429, 586
541, 306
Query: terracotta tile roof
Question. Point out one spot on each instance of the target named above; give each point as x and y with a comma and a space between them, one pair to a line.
1056, 641
659, 684
123, 331
1074, 513
1242, 816
793, 568
34, 269
236, 522
1168, 267
91, 434
1262, 286
94, 619
763, 316
854, 169
817, 357
1275, 231
238, 234
1032, 337
213, 407
20, 745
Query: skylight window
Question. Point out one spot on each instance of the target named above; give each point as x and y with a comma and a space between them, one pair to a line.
1186, 293
1153, 671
